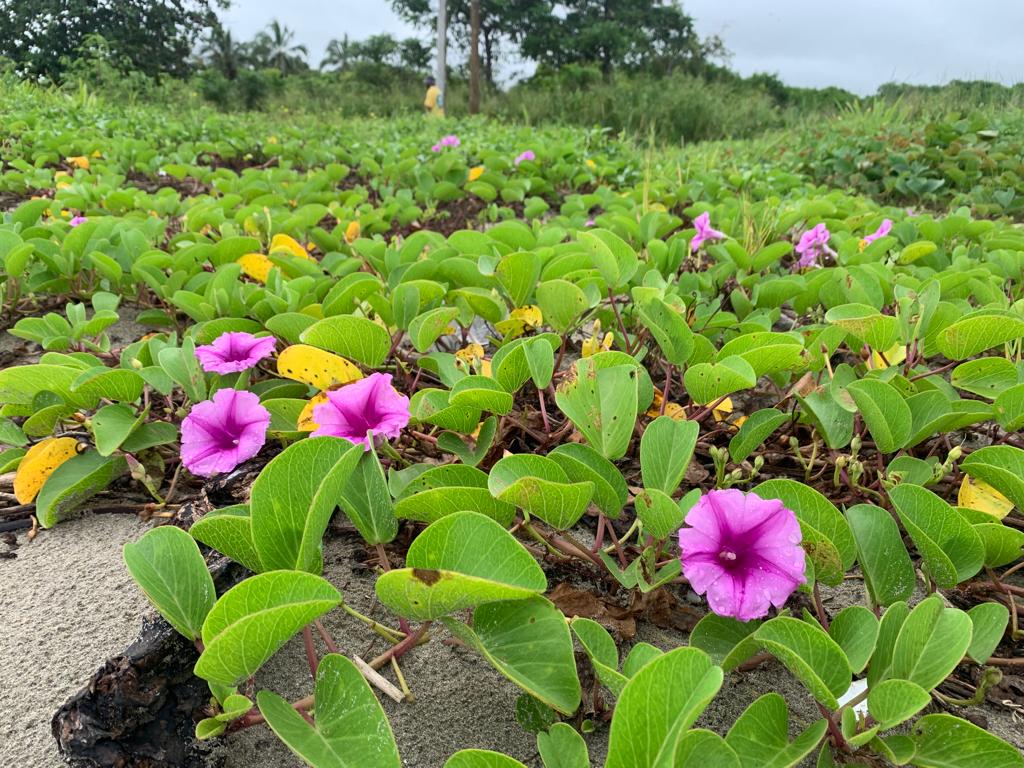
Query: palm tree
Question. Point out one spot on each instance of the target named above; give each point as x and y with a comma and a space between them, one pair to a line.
339, 54
220, 51
278, 50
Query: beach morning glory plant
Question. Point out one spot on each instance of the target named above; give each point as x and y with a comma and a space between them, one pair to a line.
813, 244
221, 433
367, 405
743, 551
234, 351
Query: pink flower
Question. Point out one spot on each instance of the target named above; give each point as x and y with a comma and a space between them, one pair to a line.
704, 232
884, 229
77, 220
234, 351
527, 155
589, 223
221, 433
370, 404
743, 551
446, 141
813, 244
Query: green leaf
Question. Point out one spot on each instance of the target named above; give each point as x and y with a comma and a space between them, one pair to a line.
110, 384
867, 324
75, 482
602, 404
350, 729
612, 256
229, 531
168, 566
582, 463
814, 510
539, 486
481, 758
528, 641
518, 273
977, 332
447, 489
884, 411
986, 376
1002, 544
754, 431
563, 747
709, 382
988, 623
111, 426
603, 652
888, 571
481, 393
20, 384
699, 748
666, 448
727, 641
353, 337
760, 736
1009, 408
293, 498
658, 513
182, 365
892, 702
253, 619
428, 327
810, 654
855, 630
930, 644
1002, 467
945, 741
767, 352
658, 706
462, 560
669, 329
366, 500
951, 548
562, 304
889, 627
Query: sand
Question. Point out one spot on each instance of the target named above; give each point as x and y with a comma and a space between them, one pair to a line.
66, 604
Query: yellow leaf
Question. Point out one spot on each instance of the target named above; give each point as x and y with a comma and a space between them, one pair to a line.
79, 161
97, 153
476, 172
595, 344
320, 369
305, 421
39, 463
511, 328
283, 243
979, 495
894, 356
530, 315
485, 368
352, 231
256, 265
722, 410
672, 410
470, 353
590, 164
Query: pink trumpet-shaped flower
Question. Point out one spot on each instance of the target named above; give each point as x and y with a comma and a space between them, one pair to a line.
221, 433
370, 404
743, 551
77, 220
813, 244
704, 232
527, 155
234, 351
446, 141
883, 229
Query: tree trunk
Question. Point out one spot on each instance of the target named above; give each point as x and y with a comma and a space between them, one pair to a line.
474, 57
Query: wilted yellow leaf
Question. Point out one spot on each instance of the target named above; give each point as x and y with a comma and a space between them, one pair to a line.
39, 463
352, 231
282, 243
256, 265
530, 314
305, 421
320, 369
79, 161
894, 356
476, 172
470, 353
979, 495
672, 410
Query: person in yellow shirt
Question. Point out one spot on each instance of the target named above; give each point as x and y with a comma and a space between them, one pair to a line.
434, 101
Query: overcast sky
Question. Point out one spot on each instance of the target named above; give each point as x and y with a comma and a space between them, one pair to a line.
856, 44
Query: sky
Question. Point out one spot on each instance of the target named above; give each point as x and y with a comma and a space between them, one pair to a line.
855, 44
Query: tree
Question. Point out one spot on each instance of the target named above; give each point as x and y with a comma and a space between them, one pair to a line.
339, 54
474, 57
220, 51
275, 48
152, 36
650, 35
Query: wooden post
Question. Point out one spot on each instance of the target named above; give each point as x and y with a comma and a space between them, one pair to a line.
474, 57
442, 50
